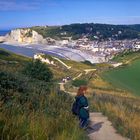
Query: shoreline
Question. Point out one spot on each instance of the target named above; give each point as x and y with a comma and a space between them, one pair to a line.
61, 52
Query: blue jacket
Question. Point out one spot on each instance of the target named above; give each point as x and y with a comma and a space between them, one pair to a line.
83, 104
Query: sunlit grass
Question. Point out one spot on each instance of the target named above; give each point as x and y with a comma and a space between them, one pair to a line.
123, 112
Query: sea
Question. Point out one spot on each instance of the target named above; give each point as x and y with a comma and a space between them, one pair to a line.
29, 52
4, 32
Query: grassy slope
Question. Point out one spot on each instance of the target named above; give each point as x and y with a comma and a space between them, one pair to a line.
121, 107
76, 69
127, 56
122, 110
126, 77
37, 113
12, 62
8, 56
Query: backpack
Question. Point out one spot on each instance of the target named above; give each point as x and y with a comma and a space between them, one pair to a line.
76, 107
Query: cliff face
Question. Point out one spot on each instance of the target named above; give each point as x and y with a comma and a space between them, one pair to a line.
2, 39
24, 36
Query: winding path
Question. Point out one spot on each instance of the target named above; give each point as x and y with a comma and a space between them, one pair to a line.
102, 128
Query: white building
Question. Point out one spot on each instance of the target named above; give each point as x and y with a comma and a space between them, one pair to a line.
42, 59
137, 46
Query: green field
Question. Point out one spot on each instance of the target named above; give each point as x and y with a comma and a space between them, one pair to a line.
127, 77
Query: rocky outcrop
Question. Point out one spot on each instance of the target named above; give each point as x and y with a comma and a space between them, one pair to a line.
2, 39
25, 36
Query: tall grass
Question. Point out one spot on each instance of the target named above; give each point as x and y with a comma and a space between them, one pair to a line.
38, 112
123, 112
41, 115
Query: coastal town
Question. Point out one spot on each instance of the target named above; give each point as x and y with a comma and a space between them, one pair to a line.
101, 48
79, 50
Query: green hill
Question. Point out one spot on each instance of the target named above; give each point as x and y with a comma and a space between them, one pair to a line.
33, 107
127, 76
90, 30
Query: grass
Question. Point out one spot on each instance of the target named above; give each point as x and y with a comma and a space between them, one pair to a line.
123, 112
122, 108
8, 56
60, 71
43, 121
126, 77
40, 118
39, 111
42, 112
127, 56
77, 65
116, 95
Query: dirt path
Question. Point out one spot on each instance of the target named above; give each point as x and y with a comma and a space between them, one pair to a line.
102, 129
62, 88
77, 76
89, 70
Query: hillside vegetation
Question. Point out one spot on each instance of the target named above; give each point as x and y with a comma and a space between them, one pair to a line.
116, 94
31, 107
127, 76
120, 105
123, 112
90, 30
127, 56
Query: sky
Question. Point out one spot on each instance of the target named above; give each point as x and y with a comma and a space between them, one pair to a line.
27, 13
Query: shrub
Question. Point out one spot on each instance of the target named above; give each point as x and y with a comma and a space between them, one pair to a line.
4, 53
38, 70
42, 117
10, 83
88, 63
78, 83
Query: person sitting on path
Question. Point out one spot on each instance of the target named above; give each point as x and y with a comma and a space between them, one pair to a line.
80, 107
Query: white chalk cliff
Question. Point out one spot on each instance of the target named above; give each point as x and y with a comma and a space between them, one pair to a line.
25, 36
2, 39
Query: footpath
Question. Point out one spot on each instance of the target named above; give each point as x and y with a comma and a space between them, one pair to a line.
102, 127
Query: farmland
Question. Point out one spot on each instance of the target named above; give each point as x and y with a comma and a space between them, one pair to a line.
127, 77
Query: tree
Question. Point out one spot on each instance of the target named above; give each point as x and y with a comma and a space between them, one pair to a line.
78, 82
38, 70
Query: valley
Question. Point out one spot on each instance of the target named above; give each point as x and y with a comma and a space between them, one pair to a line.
113, 101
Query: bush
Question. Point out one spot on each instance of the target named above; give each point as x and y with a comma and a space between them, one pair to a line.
38, 70
88, 63
4, 53
10, 83
41, 117
78, 83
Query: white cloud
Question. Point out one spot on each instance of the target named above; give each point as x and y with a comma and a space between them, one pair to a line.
13, 5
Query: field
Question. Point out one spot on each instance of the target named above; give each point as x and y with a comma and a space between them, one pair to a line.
126, 77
